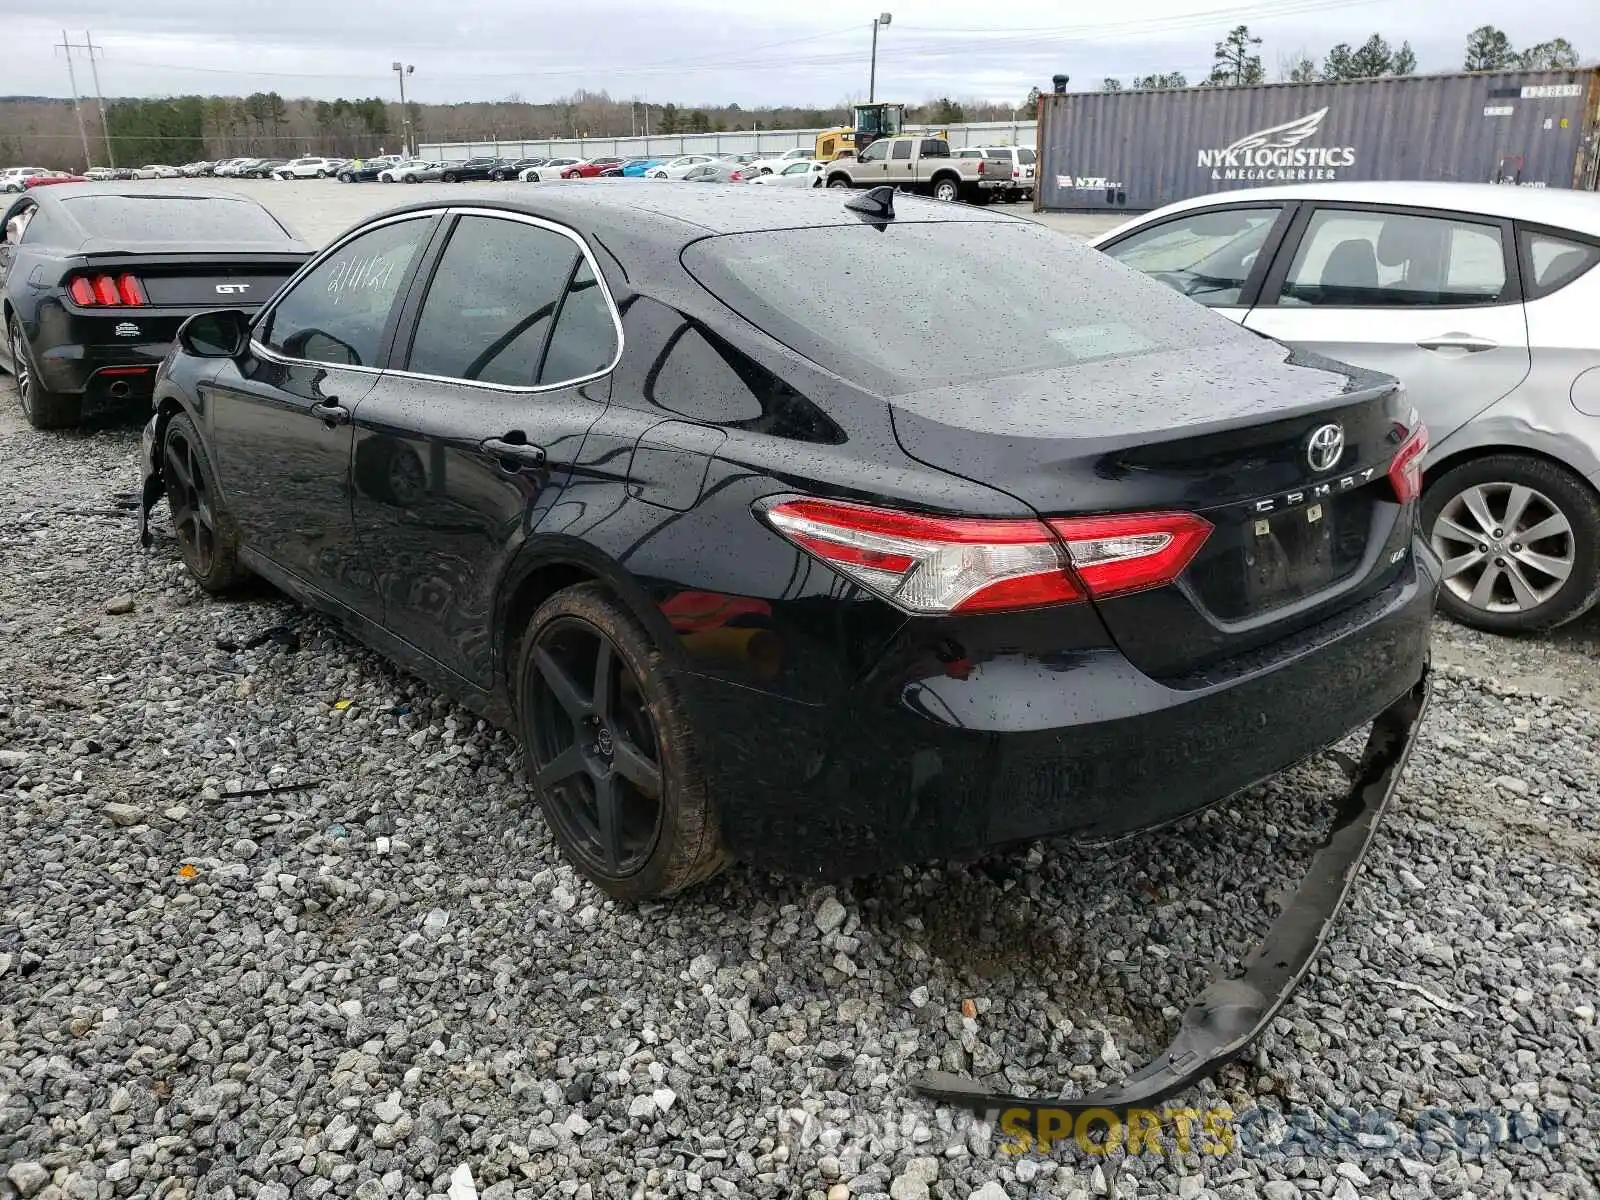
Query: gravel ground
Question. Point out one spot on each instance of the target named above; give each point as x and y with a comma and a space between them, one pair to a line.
358, 986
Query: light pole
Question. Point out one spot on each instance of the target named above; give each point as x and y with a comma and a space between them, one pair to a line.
405, 113
872, 78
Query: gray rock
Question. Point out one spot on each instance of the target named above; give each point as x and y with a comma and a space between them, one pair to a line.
119, 606
830, 914
27, 1177
124, 814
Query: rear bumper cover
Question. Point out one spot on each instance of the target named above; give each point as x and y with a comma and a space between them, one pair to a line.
1230, 1014
929, 760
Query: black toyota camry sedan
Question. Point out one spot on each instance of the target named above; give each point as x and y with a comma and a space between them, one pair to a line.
786, 528
96, 278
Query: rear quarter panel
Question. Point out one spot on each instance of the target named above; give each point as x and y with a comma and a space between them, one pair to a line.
1555, 412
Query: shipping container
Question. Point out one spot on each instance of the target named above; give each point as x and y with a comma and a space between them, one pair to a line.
1139, 150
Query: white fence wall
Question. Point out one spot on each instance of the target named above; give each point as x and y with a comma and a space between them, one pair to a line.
766, 141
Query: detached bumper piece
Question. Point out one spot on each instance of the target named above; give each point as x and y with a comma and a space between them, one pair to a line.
153, 487
1230, 1014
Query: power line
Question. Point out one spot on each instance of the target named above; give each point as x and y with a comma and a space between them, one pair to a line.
733, 58
936, 43
1165, 24
77, 108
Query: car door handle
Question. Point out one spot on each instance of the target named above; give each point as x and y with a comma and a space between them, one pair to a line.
1458, 341
330, 412
514, 456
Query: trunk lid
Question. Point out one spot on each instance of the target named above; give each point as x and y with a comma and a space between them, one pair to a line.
199, 280
1224, 433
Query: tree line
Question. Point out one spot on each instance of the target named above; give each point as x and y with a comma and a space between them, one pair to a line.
180, 129
1236, 61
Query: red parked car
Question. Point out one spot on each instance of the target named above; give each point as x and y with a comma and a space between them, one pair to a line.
34, 181
590, 168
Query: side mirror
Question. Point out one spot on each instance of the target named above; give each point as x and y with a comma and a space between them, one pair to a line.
221, 334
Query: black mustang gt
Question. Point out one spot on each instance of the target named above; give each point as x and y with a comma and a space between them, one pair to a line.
785, 528
102, 276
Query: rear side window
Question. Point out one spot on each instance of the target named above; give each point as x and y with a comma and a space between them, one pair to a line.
1550, 263
920, 304
174, 218
935, 148
38, 229
500, 288
337, 313
1352, 259
901, 150
1026, 155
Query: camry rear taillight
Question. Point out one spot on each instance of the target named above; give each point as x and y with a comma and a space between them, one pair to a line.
1405, 472
107, 291
928, 564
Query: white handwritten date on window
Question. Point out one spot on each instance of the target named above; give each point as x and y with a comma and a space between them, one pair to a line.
371, 274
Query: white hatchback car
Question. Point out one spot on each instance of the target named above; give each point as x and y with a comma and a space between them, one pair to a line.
1483, 300
772, 165
677, 168
547, 171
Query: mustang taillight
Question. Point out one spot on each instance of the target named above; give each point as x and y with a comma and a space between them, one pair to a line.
958, 564
1405, 472
107, 291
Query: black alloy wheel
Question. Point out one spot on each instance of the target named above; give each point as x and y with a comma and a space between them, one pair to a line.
610, 750
43, 408
205, 534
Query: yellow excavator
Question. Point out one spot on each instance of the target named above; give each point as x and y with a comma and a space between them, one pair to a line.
872, 121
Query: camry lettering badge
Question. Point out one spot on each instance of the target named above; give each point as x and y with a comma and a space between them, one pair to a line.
1325, 448
1319, 491
127, 329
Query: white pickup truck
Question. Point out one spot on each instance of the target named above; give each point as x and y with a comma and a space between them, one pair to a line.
914, 163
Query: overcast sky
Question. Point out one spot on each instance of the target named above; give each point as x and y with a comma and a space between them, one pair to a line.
710, 51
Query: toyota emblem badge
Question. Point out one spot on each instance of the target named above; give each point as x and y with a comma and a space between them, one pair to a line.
1325, 448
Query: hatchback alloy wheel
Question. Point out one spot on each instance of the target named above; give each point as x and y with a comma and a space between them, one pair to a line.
595, 749
1519, 540
1506, 548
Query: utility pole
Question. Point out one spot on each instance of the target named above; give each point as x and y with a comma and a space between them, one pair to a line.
94, 69
405, 112
72, 77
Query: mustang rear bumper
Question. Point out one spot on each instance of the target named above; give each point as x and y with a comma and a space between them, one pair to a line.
1230, 1014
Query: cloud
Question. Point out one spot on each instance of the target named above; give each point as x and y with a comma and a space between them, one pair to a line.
702, 50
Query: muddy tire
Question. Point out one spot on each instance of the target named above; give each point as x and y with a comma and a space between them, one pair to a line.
611, 750
207, 538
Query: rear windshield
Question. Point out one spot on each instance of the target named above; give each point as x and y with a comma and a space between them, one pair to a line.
174, 218
923, 304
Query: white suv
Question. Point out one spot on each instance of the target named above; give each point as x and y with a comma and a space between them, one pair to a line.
1021, 162
306, 168
11, 178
